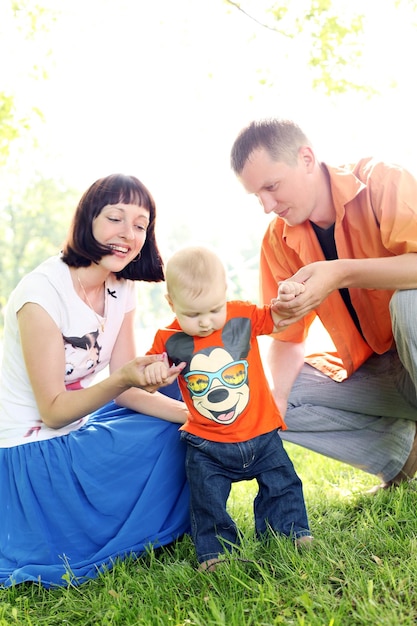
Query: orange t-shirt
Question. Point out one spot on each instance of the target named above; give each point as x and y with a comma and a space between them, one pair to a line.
223, 384
376, 216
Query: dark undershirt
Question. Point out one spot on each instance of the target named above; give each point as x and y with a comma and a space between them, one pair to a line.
328, 245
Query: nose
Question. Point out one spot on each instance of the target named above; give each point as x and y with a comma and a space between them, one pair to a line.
204, 322
128, 231
267, 202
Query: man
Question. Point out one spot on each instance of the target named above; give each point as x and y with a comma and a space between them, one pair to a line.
350, 235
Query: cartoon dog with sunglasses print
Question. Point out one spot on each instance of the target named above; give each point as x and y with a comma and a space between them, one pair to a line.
216, 377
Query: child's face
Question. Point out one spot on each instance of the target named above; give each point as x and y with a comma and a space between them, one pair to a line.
200, 316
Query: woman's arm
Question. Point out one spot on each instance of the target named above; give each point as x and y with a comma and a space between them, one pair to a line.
44, 355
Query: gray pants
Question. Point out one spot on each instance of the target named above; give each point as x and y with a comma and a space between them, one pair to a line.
368, 420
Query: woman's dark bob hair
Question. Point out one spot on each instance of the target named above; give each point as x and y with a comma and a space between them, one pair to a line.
81, 248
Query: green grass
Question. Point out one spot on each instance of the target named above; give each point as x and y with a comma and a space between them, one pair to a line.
362, 569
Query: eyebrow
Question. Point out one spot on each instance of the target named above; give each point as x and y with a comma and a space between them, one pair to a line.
270, 182
123, 210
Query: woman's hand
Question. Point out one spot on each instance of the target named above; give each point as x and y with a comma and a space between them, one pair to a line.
154, 371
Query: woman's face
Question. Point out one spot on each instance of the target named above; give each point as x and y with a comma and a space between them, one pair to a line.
121, 228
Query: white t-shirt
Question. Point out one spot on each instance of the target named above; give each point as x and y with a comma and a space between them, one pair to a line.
87, 348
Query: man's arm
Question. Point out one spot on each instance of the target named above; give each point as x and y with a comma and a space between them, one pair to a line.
323, 277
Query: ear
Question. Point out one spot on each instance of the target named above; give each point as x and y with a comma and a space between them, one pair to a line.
169, 300
306, 157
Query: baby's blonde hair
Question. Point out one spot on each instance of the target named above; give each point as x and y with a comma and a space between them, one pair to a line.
192, 270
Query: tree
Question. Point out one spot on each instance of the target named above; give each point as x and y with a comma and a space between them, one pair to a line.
32, 227
328, 35
10, 126
23, 24
30, 219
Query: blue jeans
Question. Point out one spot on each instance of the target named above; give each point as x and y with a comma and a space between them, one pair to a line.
212, 467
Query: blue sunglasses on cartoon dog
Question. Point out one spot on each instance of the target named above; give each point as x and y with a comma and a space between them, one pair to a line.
232, 375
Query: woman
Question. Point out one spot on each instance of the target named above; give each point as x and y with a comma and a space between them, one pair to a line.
88, 474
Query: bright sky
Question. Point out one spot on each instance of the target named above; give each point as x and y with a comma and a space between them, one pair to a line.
160, 90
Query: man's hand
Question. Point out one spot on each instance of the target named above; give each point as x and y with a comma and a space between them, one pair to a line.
319, 280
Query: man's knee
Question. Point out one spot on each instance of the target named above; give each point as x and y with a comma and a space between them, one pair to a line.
403, 310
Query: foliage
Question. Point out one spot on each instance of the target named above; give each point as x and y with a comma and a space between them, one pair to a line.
32, 213
32, 227
23, 24
361, 571
327, 34
10, 126
336, 47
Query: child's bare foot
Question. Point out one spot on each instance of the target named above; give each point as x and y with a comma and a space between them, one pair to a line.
209, 566
304, 542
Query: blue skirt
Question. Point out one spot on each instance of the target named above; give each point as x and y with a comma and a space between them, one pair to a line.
72, 505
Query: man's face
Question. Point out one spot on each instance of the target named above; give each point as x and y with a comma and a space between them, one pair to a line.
288, 191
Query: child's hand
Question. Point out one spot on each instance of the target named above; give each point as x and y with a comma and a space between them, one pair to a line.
150, 372
281, 306
289, 289
155, 373
160, 373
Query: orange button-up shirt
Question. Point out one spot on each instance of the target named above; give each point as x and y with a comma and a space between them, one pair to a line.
376, 216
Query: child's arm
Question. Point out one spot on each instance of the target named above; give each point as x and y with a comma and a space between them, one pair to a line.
287, 290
